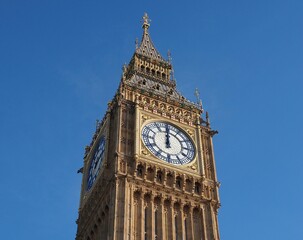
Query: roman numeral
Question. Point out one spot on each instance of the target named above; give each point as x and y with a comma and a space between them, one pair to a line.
150, 144
152, 130
158, 153
145, 135
157, 125
179, 160
176, 132
168, 158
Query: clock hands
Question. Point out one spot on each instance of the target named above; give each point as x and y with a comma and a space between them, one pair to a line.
167, 142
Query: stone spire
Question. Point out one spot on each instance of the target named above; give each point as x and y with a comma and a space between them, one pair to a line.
147, 48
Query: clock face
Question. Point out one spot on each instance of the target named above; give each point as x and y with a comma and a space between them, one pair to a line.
168, 143
96, 163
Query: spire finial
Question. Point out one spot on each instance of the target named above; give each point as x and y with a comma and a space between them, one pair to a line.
146, 22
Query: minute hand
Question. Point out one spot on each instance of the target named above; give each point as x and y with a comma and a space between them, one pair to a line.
167, 137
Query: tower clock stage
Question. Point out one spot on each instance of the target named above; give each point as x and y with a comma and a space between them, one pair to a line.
149, 171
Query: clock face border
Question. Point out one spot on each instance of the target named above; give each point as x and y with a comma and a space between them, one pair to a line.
179, 150
96, 161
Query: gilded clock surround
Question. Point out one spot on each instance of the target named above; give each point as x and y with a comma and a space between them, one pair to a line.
136, 195
171, 154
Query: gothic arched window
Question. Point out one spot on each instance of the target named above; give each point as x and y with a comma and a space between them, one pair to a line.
159, 176
197, 188
140, 169
178, 182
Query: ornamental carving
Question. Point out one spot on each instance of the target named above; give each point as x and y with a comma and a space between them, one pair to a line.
145, 117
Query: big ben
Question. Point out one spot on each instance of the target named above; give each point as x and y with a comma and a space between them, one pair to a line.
149, 171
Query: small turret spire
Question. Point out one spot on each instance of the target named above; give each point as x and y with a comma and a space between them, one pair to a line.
199, 101
207, 120
169, 58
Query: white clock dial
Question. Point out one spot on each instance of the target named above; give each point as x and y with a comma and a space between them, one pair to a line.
168, 143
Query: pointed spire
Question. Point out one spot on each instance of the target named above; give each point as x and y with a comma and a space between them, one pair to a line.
147, 47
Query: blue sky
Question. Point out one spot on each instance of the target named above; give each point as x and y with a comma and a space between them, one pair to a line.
60, 63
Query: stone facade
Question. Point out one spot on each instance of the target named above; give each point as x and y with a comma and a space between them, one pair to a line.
135, 194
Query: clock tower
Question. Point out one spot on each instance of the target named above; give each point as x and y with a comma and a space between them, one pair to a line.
149, 171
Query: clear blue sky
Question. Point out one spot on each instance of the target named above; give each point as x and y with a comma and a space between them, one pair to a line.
60, 63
